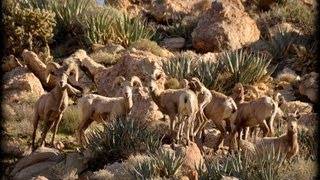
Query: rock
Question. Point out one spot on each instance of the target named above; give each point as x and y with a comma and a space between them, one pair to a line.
169, 10
283, 27
229, 178
226, 26
173, 44
109, 48
34, 170
39, 178
192, 160
309, 86
292, 106
42, 154
21, 80
133, 8
310, 120
119, 171
10, 63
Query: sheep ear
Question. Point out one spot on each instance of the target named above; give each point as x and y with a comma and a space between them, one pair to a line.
118, 81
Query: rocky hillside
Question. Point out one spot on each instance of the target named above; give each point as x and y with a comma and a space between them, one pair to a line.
268, 46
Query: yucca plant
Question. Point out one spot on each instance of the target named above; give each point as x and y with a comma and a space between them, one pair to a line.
240, 164
98, 28
147, 169
69, 12
128, 30
180, 66
121, 137
207, 72
268, 165
246, 67
168, 162
213, 169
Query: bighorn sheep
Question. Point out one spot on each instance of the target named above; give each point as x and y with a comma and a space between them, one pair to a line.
264, 103
286, 143
261, 111
98, 108
168, 100
204, 98
221, 108
187, 110
51, 106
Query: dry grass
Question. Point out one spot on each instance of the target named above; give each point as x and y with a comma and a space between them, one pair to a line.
299, 169
70, 120
150, 46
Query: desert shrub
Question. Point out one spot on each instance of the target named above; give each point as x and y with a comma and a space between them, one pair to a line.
121, 137
28, 28
172, 83
128, 30
69, 121
308, 144
148, 45
295, 12
207, 72
299, 169
105, 58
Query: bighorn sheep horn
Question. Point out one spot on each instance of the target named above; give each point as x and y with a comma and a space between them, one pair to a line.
135, 80
74, 69
51, 67
118, 81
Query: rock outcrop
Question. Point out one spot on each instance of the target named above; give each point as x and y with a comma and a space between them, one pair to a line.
226, 26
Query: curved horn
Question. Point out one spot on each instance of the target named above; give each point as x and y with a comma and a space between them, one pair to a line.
136, 80
51, 67
73, 67
118, 81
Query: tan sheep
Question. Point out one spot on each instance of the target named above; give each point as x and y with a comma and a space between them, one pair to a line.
187, 110
100, 108
261, 111
50, 106
286, 143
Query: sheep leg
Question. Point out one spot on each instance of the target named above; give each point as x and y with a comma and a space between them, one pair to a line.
172, 121
193, 117
47, 126
180, 128
264, 128
188, 130
221, 137
55, 129
270, 125
199, 124
84, 124
35, 126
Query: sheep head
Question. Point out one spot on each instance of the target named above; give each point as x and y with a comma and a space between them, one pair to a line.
292, 120
127, 86
62, 73
156, 76
195, 85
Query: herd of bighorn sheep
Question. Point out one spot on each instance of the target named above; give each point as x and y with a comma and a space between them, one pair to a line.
193, 104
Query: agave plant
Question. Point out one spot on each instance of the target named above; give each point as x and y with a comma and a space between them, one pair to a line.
121, 137
98, 28
212, 170
207, 72
179, 67
246, 67
69, 12
169, 163
147, 169
128, 30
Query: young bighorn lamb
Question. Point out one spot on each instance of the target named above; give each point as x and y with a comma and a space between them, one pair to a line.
51, 106
187, 110
286, 143
99, 108
204, 98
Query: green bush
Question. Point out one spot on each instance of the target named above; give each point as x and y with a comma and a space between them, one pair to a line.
179, 67
69, 121
121, 137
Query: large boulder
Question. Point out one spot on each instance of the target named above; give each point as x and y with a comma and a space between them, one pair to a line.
309, 86
226, 26
168, 10
21, 80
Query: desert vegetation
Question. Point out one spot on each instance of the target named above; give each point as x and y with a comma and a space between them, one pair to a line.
136, 89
